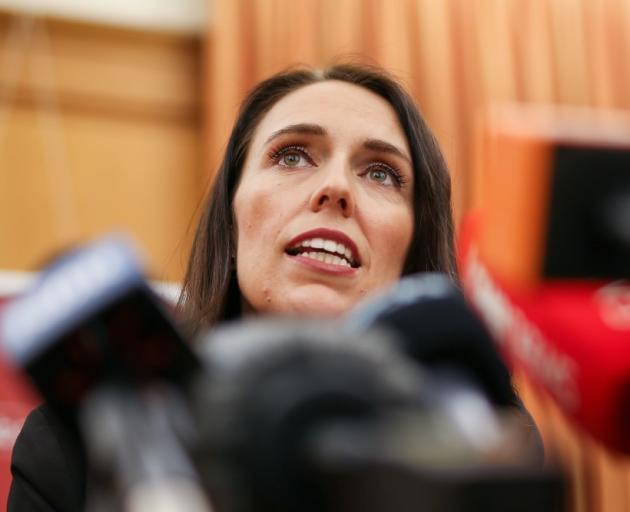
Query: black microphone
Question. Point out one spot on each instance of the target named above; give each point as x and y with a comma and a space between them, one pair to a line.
95, 341
273, 391
437, 329
309, 415
90, 319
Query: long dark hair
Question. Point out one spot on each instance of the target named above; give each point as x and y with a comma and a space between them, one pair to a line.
210, 292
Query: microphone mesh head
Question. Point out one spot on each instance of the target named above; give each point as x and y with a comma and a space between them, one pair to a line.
269, 386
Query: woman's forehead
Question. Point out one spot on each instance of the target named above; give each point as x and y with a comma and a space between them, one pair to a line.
340, 108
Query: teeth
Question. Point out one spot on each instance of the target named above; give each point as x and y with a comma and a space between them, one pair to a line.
327, 258
330, 246
327, 245
317, 243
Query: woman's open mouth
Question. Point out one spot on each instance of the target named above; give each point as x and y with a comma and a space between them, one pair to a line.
331, 247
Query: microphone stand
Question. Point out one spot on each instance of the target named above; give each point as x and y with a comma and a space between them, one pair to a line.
136, 456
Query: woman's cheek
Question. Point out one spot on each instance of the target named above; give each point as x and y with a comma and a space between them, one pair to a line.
393, 229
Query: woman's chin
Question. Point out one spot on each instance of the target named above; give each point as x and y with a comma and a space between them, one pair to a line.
318, 308
313, 300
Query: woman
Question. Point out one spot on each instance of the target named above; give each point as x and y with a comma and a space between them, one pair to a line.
331, 187
344, 150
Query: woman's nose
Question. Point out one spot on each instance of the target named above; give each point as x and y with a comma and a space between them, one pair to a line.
334, 191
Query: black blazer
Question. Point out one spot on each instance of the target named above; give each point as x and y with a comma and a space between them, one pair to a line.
48, 467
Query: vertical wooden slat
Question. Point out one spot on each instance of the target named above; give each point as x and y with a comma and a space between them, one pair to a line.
462, 100
496, 62
438, 83
472, 102
569, 49
502, 47
264, 48
392, 28
534, 45
620, 49
417, 56
609, 475
224, 78
249, 37
369, 26
340, 34
305, 42
601, 54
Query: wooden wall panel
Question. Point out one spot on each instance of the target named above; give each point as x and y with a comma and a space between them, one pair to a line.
99, 131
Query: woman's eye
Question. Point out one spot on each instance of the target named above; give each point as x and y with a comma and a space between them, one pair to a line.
378, 175
291, 159
292, 156
384, 175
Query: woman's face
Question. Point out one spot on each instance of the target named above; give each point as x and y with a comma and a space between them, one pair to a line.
323, 208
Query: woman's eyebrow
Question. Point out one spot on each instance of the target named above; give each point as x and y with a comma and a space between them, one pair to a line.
302, 128
385, 147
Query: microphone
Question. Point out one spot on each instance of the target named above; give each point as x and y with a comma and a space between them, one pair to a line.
306, 416
96, 341
570, 338
556, 194
272, 392
541, 260
136, 452
90, 319
437, 329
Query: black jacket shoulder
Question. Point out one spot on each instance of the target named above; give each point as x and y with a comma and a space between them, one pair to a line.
48, 466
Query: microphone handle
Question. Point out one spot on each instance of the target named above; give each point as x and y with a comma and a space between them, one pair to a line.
137, 458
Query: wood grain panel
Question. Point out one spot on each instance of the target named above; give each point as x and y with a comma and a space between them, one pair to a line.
99, 131
104, 69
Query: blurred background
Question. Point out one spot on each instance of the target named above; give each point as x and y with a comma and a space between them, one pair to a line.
114, 115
